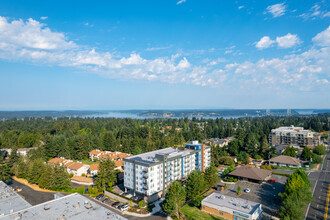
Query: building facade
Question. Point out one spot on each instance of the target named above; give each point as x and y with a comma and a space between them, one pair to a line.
231, 208
153, 172
293, 136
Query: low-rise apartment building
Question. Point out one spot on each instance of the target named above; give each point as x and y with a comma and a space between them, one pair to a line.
293, 136
75, 168
153, 172
232, 208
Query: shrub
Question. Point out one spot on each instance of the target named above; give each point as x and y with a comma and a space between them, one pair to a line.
273, 167
239, 189
320, 150
83, 174
71, 175
230, 179
266, 167
197, 202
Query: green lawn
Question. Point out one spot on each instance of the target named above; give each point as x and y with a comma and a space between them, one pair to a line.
193, 213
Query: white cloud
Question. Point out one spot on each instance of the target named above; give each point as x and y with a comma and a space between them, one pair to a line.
276, 10
158, 48
181, 1
315, 12
43, 17
31, 34
264, 42
323, 38
32, 41
240, 7
288, 41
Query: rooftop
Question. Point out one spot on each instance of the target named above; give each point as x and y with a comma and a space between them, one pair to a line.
73, 207
82, 179
150, 157
238, 204
286, 160
251, 173
10, 200
290, 129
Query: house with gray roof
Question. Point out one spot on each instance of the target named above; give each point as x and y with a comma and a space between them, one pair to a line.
285, 161
252, 174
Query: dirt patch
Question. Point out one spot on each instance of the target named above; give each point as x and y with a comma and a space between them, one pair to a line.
32, 186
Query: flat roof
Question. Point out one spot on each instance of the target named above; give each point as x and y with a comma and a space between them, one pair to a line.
73, 206
291, 129
233, 203
150, 157
10, 200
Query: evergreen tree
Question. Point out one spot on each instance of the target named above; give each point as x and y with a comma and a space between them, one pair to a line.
4, 171
195, 184
106, 176
211, 176
174, 199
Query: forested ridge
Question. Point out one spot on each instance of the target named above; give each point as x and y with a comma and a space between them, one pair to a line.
73, 138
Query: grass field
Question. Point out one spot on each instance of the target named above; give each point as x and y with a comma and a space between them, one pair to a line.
193, 213
87, 161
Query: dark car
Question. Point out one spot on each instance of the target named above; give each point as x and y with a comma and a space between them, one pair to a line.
105, 200
99, 197
116, 204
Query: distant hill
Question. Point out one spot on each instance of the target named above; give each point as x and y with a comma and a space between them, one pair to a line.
43, 114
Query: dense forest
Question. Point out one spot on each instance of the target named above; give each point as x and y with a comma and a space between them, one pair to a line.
73, 138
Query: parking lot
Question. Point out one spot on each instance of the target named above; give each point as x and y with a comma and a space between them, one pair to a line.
265, 193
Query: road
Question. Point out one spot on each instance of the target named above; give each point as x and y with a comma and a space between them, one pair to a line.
321, 183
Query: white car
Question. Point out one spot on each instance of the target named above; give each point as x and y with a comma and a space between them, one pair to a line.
124, 207
247, 190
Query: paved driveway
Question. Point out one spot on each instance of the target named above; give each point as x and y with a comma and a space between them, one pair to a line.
30, 195
265, 193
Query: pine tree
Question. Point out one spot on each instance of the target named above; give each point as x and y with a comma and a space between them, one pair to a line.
4, 171
211, 176
174, 199
195, 184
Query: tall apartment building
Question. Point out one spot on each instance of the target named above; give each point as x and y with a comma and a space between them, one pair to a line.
293, 136
153, 172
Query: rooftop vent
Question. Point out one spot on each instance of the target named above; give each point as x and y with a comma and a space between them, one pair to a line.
46, 207
61, 218
77, 205
88, 206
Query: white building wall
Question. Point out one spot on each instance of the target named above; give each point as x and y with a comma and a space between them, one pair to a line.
128, 175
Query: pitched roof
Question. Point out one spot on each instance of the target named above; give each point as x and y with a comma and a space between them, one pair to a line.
75, 166
119, 163
95, 152
94, 166
56, 160
251, 173
285, 159
82, 179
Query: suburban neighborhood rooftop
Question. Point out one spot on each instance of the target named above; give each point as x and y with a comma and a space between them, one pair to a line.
10, 200
251, 173
73, 206
285, 160
234, 203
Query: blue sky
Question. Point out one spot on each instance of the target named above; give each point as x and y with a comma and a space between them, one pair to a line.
164, 54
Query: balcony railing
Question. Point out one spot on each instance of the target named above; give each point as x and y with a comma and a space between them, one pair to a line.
145, 187
145, 176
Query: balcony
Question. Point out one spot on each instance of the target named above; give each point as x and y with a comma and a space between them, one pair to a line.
145, 170
145, 176
145, 187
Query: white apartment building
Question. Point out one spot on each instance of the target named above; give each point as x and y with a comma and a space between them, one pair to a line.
293, 136
153, 172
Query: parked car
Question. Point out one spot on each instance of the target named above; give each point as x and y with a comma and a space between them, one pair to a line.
99, 197
124, 207
271, 180
116, 204
105, 200
247, 190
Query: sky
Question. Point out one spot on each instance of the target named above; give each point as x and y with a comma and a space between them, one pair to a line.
170, 54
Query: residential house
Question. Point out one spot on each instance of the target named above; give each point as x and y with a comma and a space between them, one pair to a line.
285, 161
93, 169
82, 180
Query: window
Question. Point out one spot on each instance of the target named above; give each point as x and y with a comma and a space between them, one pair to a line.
220, 213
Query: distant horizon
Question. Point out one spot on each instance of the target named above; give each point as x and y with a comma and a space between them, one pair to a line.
162, 109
